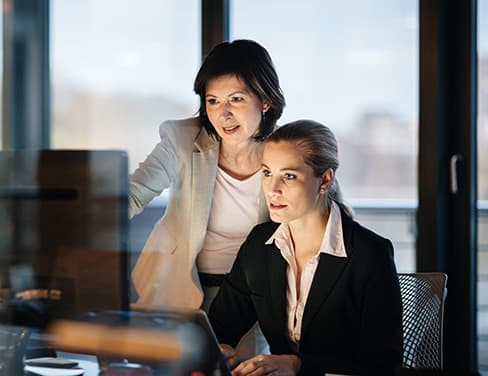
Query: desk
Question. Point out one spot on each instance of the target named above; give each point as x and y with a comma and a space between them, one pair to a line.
90, 366
89, 363
169, 342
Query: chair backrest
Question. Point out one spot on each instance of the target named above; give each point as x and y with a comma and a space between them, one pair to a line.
423, 296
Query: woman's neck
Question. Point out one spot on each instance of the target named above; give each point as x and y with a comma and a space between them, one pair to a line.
307, 233
241, 162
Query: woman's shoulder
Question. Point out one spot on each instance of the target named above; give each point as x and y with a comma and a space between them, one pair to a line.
366, 233
358, 235
189, 127
186, 134
251, 252
263, 231
372, 253
370, 241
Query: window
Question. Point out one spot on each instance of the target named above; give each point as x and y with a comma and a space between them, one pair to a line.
483, 187
352, 65
120, 68
1, 85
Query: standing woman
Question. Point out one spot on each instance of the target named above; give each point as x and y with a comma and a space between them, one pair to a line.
323, 288
212, 167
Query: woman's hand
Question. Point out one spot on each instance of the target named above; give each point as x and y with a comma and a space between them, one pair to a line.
229, 353
278, 365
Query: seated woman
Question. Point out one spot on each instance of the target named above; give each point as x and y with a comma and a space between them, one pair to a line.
323, 288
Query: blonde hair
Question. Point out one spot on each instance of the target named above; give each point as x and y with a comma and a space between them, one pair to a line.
319, 149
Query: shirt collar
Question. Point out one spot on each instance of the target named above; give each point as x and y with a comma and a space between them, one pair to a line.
332, 242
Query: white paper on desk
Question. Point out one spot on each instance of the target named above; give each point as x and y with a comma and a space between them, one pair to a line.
48, 371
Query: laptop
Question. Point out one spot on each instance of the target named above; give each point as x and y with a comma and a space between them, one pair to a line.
199, 347
201, 319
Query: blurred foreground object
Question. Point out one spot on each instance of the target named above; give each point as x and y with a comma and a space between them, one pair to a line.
13, 341
172, 343
141, 344
63, 234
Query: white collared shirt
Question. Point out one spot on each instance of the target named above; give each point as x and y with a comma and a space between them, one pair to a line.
332, 243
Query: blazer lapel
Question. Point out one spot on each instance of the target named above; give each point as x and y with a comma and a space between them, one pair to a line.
328, 272
204, 173
277, 267
326, 275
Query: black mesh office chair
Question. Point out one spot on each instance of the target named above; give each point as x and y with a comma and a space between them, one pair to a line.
423, 296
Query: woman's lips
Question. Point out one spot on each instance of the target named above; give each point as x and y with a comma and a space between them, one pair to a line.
230, 130
276, 206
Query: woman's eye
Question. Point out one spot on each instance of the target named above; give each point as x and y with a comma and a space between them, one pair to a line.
290, 176
266, 173
211, 100
236, 99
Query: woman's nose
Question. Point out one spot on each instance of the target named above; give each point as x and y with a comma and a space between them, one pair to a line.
274, 188
226, 111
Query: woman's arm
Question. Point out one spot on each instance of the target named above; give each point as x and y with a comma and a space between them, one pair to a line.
381, 346
154, 174
232, 312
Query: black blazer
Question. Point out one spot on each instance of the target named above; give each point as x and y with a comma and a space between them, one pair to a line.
352, 321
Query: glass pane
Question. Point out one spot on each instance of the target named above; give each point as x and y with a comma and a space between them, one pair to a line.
119, 68
353, 65
483, 187
1, 85
51, 268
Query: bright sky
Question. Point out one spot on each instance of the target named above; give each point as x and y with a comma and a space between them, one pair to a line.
338, 59
335, 59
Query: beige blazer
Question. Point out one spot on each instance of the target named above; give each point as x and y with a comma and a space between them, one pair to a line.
185, 161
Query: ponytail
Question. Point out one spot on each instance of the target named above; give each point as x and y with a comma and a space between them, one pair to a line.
334, 193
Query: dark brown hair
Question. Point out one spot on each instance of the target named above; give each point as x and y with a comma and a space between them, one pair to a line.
250, 62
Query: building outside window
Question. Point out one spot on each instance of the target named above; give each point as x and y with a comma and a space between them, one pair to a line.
119, 69
352, 65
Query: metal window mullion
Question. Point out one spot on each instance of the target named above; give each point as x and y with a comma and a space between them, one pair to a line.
26, 77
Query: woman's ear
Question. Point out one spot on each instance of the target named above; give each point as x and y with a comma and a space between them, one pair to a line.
326, 180
266, 106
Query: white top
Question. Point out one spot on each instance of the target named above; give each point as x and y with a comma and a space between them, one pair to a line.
234, 212
332, 243
185, 161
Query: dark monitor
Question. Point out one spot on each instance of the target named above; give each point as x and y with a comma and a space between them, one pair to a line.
63, 234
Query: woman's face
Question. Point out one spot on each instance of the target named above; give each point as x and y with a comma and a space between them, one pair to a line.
233, 109
292, 190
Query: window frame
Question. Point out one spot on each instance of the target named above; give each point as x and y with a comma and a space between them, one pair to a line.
446, 222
